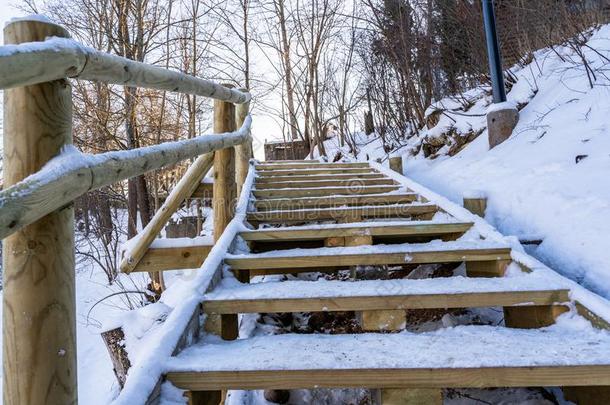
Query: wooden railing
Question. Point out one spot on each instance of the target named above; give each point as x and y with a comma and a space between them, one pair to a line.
43, 174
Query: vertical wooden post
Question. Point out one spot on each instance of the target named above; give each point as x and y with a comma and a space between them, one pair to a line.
224, 191
476, 203
39, 323
396, 164
243, 152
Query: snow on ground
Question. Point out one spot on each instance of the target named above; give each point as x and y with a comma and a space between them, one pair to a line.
550, 179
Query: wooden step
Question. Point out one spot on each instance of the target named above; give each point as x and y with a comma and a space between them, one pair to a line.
333, 201
350, 182
311, 172
375, 229
174, 258
321, 296
279, 162
307, 165
347, 213
302, 259
324, 191
315, 177
460, 357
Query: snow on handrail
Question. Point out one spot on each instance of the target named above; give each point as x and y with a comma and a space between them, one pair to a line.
57, 58
72, 173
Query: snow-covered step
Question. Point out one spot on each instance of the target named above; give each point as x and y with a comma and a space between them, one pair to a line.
274, 179
349, 182
296, 260
314, 296
175, 254
334, 201
356, 189
281, 162
337, 214
393, 229
308, 165
307, 172
463, 356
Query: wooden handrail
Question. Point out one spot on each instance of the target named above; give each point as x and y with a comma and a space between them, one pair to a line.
71, 175
58, 58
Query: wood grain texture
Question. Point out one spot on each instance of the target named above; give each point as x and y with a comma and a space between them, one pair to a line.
354, 189
535, 376
338, 214
40, 194
183, 190
243, 152
349, 182
173, 258
39, 322
384, 302
333, 201
396, 164
307, 260
311, 172
307, 165
275, 179
291, 234
71, 59
477, 206
225, 190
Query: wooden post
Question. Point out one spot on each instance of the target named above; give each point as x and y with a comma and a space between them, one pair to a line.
396, 164
224, 169
243, 152
477, 204
39, 322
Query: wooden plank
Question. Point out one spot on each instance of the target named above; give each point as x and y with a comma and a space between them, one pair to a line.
306, 165
385, 302
334, 201
274, 179
173, 258
310, 172
533, 376
180, 192
349, 182
406, 256
389, 211
273, 162
324, 191
204, 190
317, 233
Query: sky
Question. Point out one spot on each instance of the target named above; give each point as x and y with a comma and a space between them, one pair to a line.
264, 127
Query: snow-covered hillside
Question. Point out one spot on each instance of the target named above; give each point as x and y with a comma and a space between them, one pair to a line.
550, 179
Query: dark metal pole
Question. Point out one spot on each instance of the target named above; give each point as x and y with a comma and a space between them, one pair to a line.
493, 52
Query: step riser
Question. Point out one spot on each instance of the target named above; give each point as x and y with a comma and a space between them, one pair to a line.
343, 214
322, 192
488, 377
330, 202
325, 183
309, 172
430, 301
277, 179
288, 166
296, 263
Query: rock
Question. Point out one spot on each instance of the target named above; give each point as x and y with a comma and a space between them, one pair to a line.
277, 396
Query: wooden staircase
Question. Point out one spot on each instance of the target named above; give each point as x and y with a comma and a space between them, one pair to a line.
360, 237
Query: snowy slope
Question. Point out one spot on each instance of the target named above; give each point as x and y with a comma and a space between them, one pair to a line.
550, 179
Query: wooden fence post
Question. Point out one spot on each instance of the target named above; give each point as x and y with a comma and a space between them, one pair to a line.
476, 203
396, 164
243, 152
39, 323
224, 191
